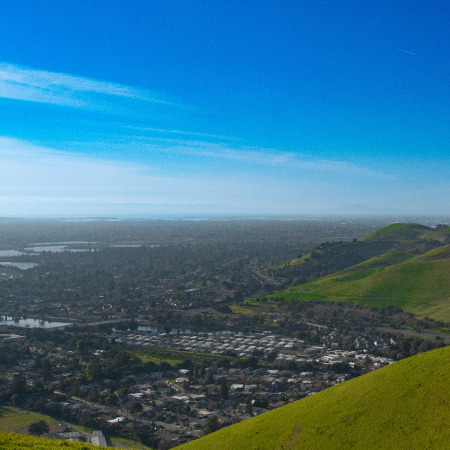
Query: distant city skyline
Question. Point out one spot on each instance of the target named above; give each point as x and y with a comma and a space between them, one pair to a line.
153, 109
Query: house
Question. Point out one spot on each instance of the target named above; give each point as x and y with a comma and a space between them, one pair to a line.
117, 419
98, 439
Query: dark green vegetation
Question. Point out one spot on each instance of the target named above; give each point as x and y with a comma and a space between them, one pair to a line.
402, 406
38, 428
406, 266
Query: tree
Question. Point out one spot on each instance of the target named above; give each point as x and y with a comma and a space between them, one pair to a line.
211, 425
93, 371
75, 386
136, 408
38, 428
112, 400
224, 391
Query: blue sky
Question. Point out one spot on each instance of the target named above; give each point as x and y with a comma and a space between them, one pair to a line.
154, 108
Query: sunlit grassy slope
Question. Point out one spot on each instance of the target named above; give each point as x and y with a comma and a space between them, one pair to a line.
402, 406
400, 231
419, 284
12, 441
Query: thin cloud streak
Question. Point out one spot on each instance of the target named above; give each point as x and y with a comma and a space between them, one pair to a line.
36, 180
23, 83
181, 132
144, 148
269, 157
32, 175
405, 51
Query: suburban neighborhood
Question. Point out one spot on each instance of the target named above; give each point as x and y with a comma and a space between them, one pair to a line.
165, 388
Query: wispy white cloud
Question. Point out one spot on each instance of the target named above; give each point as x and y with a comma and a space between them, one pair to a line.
31, 170
244, 154
156, 149
267, 157
405, 51
182, 132
37, 180
23, 83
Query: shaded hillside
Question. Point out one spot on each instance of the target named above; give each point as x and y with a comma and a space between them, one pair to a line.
402, 406
330, 257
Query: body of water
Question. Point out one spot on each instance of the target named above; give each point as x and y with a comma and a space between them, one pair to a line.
9, 253
55, 249
47, 248
19, 265
31, 323
133, 245
64, 243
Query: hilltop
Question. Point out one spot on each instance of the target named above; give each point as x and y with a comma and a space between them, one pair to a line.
404, 232
404, 406
403, 265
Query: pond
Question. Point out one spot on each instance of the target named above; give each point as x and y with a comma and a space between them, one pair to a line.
9, 253
58, 247
19, 265
31, 323
133, 245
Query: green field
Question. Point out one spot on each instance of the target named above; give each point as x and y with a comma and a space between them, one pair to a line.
402, 406
157, 358
12, 420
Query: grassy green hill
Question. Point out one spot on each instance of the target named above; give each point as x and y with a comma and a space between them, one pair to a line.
419, 284
402, 406
330, 257
402, 265
400, 232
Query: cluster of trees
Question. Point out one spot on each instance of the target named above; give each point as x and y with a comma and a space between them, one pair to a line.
296, 313
38, 428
